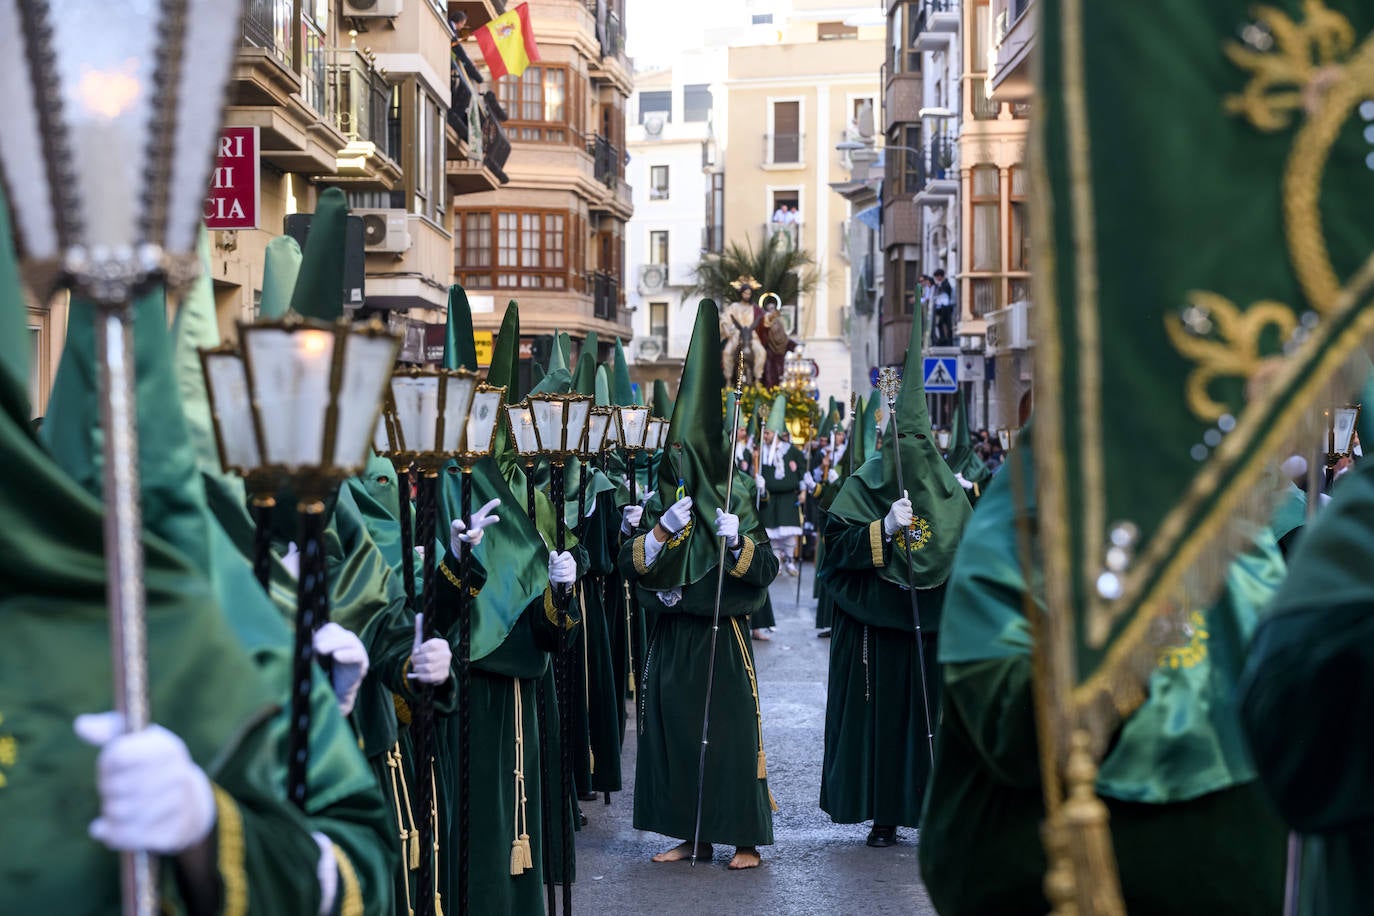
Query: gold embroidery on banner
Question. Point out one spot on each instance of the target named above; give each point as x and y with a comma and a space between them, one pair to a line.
1281, 78
1236, 354
9, 753
1194, 651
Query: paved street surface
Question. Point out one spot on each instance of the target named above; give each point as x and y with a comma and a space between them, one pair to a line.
815, 867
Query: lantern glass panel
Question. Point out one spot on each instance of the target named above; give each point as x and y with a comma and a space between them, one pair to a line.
522, 429
1004, 437
289, 372
943, 437
105, 60
597, 427
416, 402
578, 411
381, 437
457, 402
634, 423
482, 419
368, 360
228, 384
651, 438
1345, 428
548, 422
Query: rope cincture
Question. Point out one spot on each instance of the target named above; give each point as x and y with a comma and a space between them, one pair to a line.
521, 858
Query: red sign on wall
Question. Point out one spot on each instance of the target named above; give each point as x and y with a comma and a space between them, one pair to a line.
233, 198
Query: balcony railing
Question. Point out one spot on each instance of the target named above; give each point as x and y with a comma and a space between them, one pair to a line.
937, 161
987, 295
605, 160
268, 24
782, 149
923, 15
610, 31
358, 98
605, 296
983, 108
786, 234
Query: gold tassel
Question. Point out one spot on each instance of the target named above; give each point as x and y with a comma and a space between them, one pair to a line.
414, 850
1088, 835
772, 802
438, 905
763, 765
521, 860
632, 683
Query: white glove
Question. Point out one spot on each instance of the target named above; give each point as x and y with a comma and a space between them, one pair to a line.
292, 560
832, 476
429, 658
966, 484
326, 872
727, 526
630, 517
152, 795
808, 482
471, 535
676, 517
898, 517
760, 482
562, 568
350, 662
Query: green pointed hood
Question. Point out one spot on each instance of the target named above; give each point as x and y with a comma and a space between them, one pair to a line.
55, 645
940, 508
622, 391
584, 380
460, 350
728, 415
857, 441
829, 421
602, 388
280, 271
319, 291
663, 405
962, 458
697, 458
195, 328
777, 415
870, 423
559, 353
754, 424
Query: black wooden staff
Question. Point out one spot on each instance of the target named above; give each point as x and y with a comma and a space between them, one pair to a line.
261, 506
465, 701
312, 612
542, 713
422, 717
561, 681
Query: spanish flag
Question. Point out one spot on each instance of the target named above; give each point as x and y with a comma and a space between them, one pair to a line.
507, 42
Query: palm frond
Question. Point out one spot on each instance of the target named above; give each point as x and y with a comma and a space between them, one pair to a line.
780, 268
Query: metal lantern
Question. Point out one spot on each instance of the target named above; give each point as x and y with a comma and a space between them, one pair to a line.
316, 391
1340, 429
521, 420
1005, 438
430, 413
942, 437
560, 422
658, 431
231, 410
483, 420
600, 432
632, 423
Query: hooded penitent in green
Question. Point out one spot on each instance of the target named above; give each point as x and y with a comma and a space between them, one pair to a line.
680, 588
55, 665
876, 755
962, 459
1191, 833
662, 405
1302, 703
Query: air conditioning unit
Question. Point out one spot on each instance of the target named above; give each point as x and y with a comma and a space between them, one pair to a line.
1008, 329
372, 9
653, 277
653, 124
651, 349
385, 230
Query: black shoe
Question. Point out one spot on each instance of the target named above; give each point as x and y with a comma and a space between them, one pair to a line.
824, 634
586, 796
882, 837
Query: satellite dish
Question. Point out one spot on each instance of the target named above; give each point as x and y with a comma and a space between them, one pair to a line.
653, 123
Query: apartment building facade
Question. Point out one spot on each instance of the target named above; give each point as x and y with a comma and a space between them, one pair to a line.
553, 237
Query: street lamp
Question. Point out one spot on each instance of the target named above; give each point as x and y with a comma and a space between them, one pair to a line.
105, 148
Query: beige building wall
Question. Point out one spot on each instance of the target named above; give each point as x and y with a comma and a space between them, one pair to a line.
827, 80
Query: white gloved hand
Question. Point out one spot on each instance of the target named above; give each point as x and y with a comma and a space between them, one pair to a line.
898, 517
152, 795
349, 662
727, 526
760, 482
630, 517
471, 535
833, 476
777, 469
676, 516
808, 482
326, 873
562, 568
966, 484
429, 658
292, 560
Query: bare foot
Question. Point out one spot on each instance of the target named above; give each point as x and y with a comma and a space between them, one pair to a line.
761, 635
745, 857
684, 851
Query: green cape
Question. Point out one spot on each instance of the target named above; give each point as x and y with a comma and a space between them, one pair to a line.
319, 291
281, 267
940, 508
663, 405
962, 458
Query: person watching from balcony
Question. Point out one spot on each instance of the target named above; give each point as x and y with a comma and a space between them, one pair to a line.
780, 215
943, 324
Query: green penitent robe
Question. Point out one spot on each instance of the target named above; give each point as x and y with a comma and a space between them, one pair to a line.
876, 758
1190, 830
1305, 705
737, 809
781, 480
600, 683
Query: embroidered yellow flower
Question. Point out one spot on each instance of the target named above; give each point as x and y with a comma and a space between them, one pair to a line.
1194, 651
681, 535
915, 537
9, 753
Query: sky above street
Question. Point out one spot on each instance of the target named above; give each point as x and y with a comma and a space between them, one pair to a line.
658, 29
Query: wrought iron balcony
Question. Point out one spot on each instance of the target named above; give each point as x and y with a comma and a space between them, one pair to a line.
938, 171
269, 24
935, 25
605, 296
357, 98
606, 160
